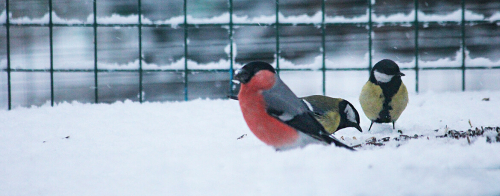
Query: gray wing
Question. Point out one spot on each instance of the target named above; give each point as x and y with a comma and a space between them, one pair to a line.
282, 103
285, 106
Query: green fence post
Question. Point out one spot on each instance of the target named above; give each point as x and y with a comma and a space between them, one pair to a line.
51, 55
415, 23
7, 28
96, 90
231, 69
186, 72
370, 31
140, 49
323, 45
463, 45
277, 37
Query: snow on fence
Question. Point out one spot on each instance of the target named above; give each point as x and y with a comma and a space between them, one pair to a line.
415, 19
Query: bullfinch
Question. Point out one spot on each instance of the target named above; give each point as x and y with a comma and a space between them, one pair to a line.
274, 113
333, 113
384, 97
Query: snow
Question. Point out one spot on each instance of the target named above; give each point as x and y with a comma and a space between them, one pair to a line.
3, 17
341, 62
304, 18
119, 19
259, 19
494, 17
234, 51
177, 65
45, 19
26, 20
224, 18
343, 19
454, 16
338, 62
191, 148
315, 65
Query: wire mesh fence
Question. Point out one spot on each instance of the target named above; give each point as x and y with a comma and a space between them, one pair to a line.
413, 28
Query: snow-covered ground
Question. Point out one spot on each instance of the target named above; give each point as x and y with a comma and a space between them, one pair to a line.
191, 148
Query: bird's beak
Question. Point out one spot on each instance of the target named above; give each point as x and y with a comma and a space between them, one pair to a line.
401, 74
241, 76
235, 80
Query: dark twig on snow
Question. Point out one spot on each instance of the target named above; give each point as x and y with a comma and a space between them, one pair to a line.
242, 136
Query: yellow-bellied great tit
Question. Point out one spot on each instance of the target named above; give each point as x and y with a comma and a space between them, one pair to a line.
384, 97
333, 113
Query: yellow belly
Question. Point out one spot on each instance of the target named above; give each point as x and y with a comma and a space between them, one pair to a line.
330, 121
399, 102
331, 118
372, 101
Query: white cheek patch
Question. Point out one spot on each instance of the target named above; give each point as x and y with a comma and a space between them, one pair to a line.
382, 77
308, 105
351, 115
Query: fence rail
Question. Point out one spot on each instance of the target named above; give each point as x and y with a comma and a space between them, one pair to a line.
277, 24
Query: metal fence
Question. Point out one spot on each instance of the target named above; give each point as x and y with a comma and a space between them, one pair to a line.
231, 25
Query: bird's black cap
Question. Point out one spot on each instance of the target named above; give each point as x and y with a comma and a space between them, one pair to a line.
388, 67
249, 70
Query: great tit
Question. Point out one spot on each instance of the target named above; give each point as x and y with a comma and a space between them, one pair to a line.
384, 97
274, 113
333, 113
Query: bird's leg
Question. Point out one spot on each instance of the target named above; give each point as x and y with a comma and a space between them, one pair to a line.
370, 126
393, 124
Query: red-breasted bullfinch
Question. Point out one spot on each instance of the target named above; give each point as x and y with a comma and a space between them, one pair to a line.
384, 97
274, 113
333, 113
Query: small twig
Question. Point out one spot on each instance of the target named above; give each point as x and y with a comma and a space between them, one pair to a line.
374, 143
357, 146
385, 139
372, 139
242, 136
